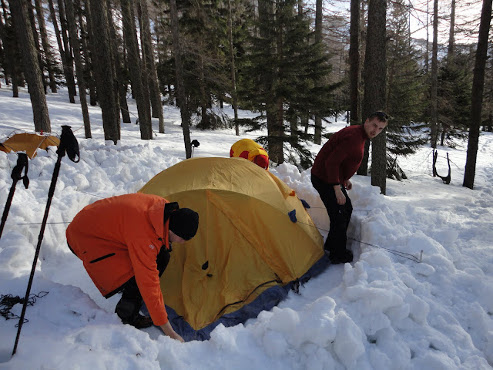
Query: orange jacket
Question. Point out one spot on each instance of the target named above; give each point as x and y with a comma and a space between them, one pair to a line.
249, 149
120, 237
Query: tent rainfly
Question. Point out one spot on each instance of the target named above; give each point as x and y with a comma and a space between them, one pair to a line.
29, 143
254, 234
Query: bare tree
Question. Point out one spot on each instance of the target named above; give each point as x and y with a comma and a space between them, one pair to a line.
32, 71
477, 94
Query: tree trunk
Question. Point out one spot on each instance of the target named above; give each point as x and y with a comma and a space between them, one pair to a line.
152, 80
275, 133
63, 55
9, 52
181, 96
130, 35
451, 37
88, 52
70, 79
32, 21
354, 64
79, 68
234, 97
103, 69
477, 95
375, 73
31, 66
121, 83
317, 138
49, 61
434, 80
114, 65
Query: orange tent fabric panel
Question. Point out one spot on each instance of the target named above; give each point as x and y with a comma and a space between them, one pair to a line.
28, 143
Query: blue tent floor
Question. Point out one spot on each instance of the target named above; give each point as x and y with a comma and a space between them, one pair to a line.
264, 302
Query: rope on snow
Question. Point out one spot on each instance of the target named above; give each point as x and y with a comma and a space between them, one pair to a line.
7, 301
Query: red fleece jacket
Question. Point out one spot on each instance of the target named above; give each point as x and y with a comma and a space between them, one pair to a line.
340, 157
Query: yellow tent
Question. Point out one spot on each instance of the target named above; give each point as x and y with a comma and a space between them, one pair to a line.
254, 233
28, 143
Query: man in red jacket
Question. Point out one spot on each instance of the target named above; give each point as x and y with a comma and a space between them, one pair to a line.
124, 244
334, 165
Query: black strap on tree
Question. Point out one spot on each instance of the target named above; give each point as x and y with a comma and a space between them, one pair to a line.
16, 176
445, 179
69, 145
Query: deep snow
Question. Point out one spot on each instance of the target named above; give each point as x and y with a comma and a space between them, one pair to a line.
383, 311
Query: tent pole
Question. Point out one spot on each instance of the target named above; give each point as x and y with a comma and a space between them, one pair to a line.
68, 143
16, 176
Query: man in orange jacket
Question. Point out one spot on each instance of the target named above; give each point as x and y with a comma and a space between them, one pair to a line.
124, 244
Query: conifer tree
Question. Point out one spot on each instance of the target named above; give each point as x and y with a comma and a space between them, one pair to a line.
406, 91
280, 78
454, 97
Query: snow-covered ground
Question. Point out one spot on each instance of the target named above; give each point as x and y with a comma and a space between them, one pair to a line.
383, 311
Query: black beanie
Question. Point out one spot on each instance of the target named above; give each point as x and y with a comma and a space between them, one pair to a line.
184, 222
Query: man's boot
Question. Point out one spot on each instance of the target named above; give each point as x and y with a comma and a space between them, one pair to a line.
129, 305
128, 311
340, 256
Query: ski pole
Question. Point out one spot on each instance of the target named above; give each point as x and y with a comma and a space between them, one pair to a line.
69, 145
16, 176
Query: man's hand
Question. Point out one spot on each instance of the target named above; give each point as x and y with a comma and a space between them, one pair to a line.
168, 330
341, 198
348, 185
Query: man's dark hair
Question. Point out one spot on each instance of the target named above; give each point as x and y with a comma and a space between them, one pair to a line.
380, 115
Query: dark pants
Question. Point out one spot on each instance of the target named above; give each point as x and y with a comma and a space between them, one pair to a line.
131, 301
339, 215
